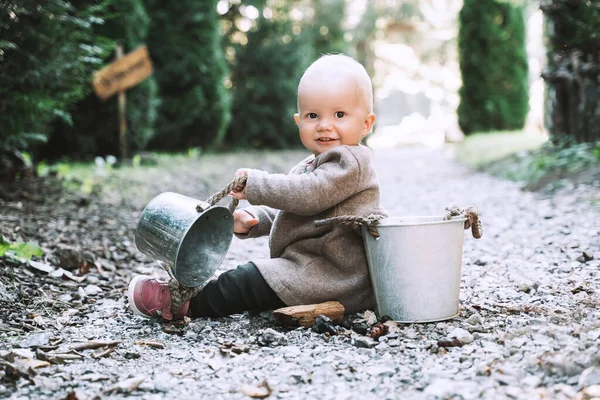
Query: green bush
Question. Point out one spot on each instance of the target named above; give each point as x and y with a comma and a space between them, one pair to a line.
265, 73
190, 69
95, 123
547, 165
47, 55
493, 65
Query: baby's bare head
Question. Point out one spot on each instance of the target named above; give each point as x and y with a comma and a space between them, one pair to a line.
339, 66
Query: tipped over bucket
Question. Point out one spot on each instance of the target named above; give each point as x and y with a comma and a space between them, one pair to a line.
190, 244
415, 267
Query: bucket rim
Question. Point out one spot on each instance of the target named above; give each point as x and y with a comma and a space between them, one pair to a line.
189, 228
419, 220
137, 227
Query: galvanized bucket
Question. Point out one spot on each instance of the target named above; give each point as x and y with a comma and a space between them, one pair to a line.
189, 244
415, 267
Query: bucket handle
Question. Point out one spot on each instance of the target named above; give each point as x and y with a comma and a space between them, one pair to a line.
471, 215
179, 293
239, 181
369, 221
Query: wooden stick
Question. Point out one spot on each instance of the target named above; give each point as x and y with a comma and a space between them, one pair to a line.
122, 117
306, 315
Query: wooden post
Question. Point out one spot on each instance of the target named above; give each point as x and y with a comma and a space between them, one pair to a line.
122, 115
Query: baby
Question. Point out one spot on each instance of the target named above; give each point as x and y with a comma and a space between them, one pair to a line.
307, 264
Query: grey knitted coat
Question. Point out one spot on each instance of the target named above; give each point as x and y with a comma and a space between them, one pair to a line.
311, 264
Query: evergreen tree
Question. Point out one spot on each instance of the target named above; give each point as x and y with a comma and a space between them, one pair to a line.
47, 55
327, 30
95, 127
265, 72
190, 69
573, 72
493, 65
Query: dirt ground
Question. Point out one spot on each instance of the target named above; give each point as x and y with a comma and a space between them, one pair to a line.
66, 330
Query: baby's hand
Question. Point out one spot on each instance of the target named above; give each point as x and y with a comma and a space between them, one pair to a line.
239, 192
243, 221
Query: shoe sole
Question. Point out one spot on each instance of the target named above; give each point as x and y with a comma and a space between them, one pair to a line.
130, 291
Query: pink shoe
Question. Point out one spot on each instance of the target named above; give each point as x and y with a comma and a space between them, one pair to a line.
150, 298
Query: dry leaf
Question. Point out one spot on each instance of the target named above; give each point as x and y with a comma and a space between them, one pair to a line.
126, 386
151, 343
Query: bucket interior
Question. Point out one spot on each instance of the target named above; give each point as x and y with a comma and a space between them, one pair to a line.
204, 247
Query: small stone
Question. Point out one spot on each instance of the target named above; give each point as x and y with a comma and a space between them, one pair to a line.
92, 290
381, 371
360, 327
532, 381
270, 337
324, 324
392, 327
382, 346
474, 319
364, 342
525, 288
370, 317
589, 377
36, 340
462, 335
591, 392
585, 257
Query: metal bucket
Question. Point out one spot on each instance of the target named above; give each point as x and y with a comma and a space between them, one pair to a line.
415, 267
189, 244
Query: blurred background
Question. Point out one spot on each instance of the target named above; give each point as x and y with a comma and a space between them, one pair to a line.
226, 72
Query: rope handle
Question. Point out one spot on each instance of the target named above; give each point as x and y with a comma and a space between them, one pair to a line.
370, 221
472, 216
180, 293
237, 183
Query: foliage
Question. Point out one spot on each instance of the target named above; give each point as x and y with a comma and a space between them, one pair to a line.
326, 30
265, 70
47, 53
190, 69
573, 71
19, 250
545, 165
493, 64
95, 127
576, 24
480, 149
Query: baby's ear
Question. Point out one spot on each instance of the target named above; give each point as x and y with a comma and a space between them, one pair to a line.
296, 118
368, 124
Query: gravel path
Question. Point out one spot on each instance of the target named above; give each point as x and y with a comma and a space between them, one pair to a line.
529, 325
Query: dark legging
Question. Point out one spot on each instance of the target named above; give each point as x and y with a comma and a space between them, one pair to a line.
233, 292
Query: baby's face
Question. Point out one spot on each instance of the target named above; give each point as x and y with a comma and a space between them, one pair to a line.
332, 111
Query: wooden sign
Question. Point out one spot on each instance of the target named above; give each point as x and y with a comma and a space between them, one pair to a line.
122, 74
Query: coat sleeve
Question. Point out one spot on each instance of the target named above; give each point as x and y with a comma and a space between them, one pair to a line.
337, 177
265, 216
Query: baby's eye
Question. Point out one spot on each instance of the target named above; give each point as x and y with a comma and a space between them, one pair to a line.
340, 114
312, 115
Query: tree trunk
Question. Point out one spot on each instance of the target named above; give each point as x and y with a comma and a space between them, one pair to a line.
572, 102
573, 73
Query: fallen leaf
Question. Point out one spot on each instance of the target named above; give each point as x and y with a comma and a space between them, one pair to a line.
126, 386
47, 268
151, 343
94, 344
103, 353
